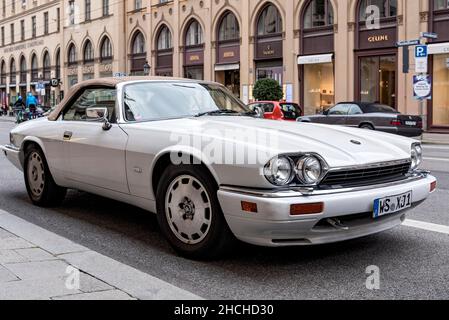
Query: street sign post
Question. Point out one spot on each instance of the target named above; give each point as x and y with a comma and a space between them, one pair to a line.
429, 35
408, 43
421, 59
422, 87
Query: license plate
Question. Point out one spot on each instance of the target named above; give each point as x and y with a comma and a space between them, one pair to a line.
392, 204
410, 123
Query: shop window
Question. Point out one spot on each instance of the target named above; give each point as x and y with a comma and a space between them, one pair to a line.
440, 113
387, 8
319, 94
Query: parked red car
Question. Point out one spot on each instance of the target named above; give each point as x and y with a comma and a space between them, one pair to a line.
276, 110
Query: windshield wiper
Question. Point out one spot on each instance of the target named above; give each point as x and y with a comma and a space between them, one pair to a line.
215, 112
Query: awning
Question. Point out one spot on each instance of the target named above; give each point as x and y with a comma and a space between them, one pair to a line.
319, 58
438, 48
226, 67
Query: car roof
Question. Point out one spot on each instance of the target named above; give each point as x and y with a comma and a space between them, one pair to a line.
113, 82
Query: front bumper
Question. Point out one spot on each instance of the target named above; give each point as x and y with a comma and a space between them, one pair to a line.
13, 155
273, 225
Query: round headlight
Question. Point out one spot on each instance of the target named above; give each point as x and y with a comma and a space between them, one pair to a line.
279, 171
416, 156
309, 170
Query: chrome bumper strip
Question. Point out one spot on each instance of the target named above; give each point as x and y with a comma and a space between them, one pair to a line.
307, 192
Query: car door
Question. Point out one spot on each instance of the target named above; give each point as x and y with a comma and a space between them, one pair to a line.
96, 157
337, 115
268, 109
355, 116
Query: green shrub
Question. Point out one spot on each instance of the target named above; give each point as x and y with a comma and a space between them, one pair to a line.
268, 90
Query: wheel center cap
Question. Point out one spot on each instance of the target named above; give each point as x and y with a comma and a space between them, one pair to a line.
188, 209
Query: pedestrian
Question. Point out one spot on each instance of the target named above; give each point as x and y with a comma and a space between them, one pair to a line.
19, 106
31, 105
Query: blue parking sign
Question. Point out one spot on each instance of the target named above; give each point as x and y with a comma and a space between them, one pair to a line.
421, 51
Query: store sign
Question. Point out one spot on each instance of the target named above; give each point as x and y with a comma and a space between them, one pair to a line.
438, 48
229, 54
422, 87
379, 38
269, 51
321, 58
194, 58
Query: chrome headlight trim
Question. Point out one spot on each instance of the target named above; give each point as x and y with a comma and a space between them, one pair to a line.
306, 161
416, 155
272, 167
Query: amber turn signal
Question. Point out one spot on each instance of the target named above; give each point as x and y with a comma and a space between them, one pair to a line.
308, 208
249, 207
433, 186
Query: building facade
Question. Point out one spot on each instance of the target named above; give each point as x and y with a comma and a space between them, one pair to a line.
320, 51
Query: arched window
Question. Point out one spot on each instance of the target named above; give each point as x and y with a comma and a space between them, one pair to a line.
164, 40
138, 54
229, 28
387, 8
72, 55
46, 66
319, 13
3, 73
139, 46
12, 71
58, 64
34, 69
23, 70
194, 34
88, 55
164, 60
270, 21
106, 50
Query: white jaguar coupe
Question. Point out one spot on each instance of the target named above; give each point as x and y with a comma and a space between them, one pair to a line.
213, 171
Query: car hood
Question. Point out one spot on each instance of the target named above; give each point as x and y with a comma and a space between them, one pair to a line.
339, 146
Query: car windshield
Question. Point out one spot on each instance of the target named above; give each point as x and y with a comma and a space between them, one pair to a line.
378, 108
291, 111
149, 101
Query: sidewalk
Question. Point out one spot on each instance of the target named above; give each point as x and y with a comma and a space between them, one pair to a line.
36, 264
7, 119
435, 138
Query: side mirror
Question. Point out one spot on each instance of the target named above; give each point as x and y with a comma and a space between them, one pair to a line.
259, 112
99, 114
326, 112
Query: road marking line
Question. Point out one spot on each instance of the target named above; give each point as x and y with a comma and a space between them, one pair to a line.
436, 159
426, 226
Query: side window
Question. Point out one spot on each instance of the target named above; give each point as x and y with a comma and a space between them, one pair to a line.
92, 97
339, 110
355, 109
254, 106
268, 107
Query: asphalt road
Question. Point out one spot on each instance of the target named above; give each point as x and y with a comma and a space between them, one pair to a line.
414, 263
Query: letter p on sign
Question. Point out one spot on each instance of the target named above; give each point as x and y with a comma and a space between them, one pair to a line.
421, 52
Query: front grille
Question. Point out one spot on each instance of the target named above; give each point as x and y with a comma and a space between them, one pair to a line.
374, 174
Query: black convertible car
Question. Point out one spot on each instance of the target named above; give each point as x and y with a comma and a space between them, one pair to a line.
371, 116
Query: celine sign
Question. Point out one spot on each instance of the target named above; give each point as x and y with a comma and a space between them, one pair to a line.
379, 38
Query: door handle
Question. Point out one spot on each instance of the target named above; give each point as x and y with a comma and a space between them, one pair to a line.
67, 135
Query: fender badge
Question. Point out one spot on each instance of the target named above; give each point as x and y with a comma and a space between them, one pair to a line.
356, 142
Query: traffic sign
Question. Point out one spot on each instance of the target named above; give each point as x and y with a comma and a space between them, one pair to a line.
429, 35
120, 75
407, 43
422, 87
421, 65
421, 51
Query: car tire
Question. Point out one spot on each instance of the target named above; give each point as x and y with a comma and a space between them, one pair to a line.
367, 126
189, 213
41, 188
